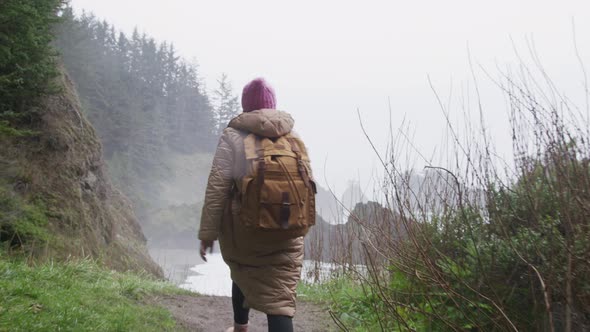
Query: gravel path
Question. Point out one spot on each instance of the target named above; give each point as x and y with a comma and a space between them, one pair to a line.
214, 314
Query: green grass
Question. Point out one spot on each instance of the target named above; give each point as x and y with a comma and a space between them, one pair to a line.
346, 298
79, 296
21, 224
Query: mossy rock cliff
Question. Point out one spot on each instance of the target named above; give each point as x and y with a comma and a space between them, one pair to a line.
56, 201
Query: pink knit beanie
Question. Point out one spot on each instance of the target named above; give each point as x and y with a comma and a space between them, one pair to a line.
258, 95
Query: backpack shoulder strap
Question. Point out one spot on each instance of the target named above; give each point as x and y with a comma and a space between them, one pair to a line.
261, 164
250, 147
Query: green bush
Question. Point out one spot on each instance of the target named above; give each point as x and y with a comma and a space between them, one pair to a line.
353, 305
496, 266
484, 265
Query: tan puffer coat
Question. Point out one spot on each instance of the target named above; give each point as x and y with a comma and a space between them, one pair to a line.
267, 272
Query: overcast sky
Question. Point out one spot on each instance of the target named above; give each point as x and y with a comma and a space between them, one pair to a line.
326, 59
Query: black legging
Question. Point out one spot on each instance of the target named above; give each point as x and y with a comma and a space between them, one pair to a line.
276, 323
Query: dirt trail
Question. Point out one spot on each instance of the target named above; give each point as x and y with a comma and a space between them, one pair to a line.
214, 314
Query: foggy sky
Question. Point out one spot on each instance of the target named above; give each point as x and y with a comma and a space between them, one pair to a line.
326, 59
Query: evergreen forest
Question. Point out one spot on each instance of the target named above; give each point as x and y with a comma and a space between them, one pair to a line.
156, 120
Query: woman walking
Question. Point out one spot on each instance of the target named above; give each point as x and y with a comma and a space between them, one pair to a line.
259, 203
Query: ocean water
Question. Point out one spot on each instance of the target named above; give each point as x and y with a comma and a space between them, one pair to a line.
210, 278
213, 277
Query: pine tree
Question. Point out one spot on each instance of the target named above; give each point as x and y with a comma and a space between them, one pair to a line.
27, 61
226, 103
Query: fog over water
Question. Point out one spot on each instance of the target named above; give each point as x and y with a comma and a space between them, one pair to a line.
327, 59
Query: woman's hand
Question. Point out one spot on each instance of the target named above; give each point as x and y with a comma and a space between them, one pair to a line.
204, 246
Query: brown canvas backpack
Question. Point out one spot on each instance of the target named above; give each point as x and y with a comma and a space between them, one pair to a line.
277, 194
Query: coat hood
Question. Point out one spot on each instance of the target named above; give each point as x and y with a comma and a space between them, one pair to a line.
265, 122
